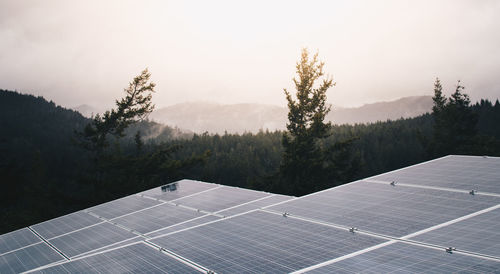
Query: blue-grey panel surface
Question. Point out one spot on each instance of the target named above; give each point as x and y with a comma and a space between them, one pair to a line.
28, 258
180, 226
137, 239
64, 224
182, 188
122, 206
479, 234
221, 198
274, 199
261, 242
407, 258
457, 172
157, 217
17, 239
391, 210
90, 238
137, 258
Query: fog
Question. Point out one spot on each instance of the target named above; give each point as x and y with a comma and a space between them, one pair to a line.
86, 52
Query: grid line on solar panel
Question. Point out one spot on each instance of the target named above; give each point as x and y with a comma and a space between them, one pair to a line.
91, 238
393, 211
405, 258
121, 206
471, 172
119, 244
17, 239
182, 225
135, 258
262, 242
255, 204
156, 218
479, 234
28, 258
65, 224
221, 198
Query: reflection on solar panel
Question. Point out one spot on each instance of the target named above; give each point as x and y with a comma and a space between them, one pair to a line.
438, 216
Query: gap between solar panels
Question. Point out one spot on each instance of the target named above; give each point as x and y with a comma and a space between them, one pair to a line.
49, 244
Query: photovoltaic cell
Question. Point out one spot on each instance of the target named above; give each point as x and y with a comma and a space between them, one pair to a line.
137, 239
255, 205
137, 258
221, 198
122, 206
407, 258
390, 210
188, 224
480, 234
65, 224
261, 242
182, 188
28, 258
457, 172
17, 239
90, 238
157, 217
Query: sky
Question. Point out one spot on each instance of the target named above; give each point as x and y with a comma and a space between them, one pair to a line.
86, 52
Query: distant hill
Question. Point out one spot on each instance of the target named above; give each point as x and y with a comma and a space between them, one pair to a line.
87, 110
238, 118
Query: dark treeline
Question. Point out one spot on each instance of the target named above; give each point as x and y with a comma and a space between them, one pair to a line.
45, 174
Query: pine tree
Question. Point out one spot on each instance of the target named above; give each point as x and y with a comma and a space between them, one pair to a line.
135, 106
307, 162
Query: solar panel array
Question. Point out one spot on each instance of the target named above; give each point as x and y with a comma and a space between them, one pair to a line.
438, 216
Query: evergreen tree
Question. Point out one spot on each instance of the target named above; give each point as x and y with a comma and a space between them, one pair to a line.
307, 163
135, 106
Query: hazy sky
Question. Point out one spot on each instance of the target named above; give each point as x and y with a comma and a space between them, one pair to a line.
86, 52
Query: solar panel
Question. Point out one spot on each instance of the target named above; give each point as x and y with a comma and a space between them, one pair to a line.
17, 239
90, 238
137, 258
65, 224
221, 198
180, 226
266, 201
28, 258
457, 172
157, 217
390, 210
122, 206
479, 234
407, 258
261, 242
178, 190
428, 220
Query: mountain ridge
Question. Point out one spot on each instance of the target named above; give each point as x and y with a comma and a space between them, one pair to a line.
212, 117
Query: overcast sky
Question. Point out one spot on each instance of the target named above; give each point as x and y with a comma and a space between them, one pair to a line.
86, 52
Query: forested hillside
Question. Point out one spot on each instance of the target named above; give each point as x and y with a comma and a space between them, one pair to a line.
45, 174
